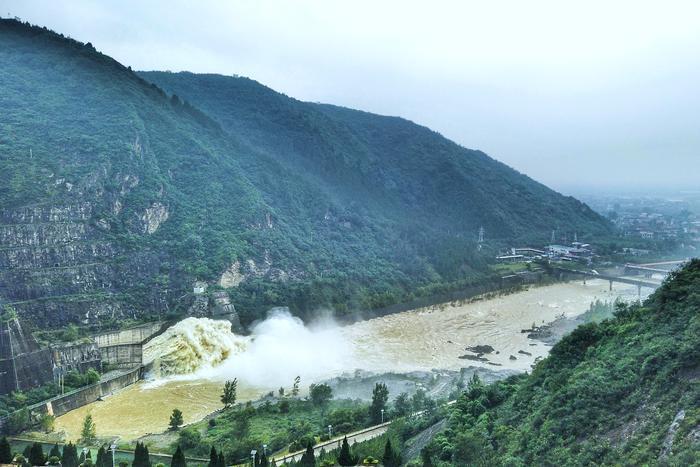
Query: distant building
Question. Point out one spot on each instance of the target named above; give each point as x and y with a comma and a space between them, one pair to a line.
527, 251
557, 250
199, 287
510, 258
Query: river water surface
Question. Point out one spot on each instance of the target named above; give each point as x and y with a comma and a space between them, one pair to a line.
421, 339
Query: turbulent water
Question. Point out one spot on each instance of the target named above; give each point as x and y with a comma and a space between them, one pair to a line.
197, 354
192, 345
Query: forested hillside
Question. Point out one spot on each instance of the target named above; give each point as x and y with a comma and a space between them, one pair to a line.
622, 392
116, 194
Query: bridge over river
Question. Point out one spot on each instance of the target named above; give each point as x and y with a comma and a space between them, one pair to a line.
664, 268
609, 277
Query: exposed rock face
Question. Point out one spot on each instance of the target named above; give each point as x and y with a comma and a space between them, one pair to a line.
58, 266
266, 269
23, 365
154, 217
232, 277
671, 434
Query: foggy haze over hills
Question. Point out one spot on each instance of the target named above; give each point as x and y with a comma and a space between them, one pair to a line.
578, 98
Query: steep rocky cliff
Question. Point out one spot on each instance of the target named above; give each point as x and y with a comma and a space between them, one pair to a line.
23, 364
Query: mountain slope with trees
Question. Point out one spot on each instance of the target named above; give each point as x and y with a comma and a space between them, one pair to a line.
117, 194
622, 392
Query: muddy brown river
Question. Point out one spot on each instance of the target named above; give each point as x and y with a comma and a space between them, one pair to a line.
421, 339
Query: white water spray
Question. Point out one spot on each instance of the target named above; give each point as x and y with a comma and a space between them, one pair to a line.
279, 348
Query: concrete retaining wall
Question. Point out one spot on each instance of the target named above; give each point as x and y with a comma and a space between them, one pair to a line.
62, 404
124, 349
128, 336
122, 356
65, 403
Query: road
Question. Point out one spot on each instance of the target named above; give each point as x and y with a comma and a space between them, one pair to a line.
354, 437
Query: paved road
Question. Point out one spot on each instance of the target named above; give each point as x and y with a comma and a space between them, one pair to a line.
354, 437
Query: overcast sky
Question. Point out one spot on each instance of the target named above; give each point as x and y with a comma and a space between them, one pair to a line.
596, 94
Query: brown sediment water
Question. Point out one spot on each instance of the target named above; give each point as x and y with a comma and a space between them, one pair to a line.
435, 337
421, 339
144, 408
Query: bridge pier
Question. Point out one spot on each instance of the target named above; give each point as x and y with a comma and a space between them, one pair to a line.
610, 285
639, 291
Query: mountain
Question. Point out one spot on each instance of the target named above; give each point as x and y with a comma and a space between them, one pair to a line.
622, 392
119, 190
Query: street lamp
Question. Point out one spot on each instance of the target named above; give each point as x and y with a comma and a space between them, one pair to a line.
382, 415
330, 431
113, 448
252, 457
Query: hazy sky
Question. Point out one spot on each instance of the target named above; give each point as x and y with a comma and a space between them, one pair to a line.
571, 93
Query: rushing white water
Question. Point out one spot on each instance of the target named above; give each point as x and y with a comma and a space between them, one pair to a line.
192, 345
279, 348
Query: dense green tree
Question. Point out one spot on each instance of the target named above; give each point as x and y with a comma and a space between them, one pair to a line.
5, 451
70, 455
213, 458
228, 398
308, 459
426, 458
178, 459
345, 457
418, 400
88, 433
100, 459
176, 419
283, 406
141, 456
380, 397
36, 454
222, 460
390, 458
402, 405
320, 394
55, 451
